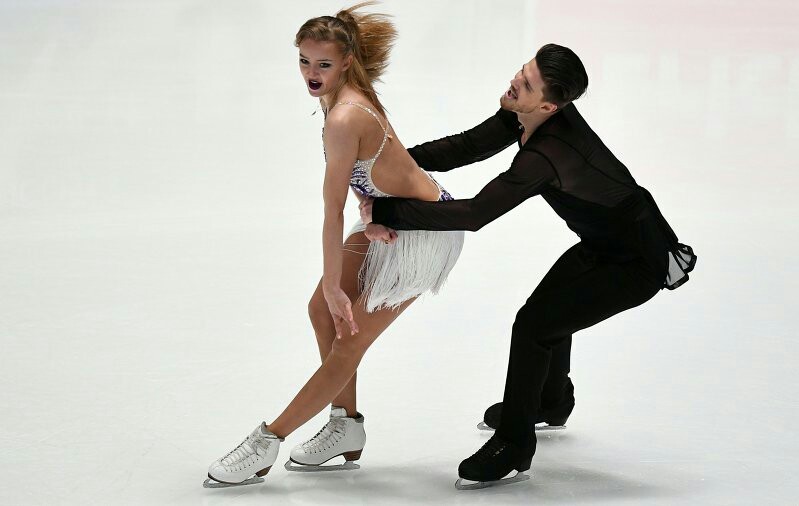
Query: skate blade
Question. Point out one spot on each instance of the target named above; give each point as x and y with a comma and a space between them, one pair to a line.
541, 427
462, 484
310, 468
209, 483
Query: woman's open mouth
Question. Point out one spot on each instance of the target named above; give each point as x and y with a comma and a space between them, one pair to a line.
511, 94
314, 85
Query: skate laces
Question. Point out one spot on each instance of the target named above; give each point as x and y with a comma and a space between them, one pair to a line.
246, 453
493, 447
331, 433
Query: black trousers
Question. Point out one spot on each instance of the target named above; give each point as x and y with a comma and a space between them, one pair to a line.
579, 291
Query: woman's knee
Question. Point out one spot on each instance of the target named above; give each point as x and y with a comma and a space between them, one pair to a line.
319, 314
350, 348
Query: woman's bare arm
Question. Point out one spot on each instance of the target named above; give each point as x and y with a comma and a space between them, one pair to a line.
341, 146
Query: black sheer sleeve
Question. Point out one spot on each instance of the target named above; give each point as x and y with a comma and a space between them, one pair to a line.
481, 142
528, 175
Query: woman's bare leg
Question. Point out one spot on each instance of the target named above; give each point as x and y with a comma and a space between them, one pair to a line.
339, 366
325, 332
354, 253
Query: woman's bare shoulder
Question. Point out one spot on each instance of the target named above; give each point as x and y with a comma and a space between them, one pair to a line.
342, 117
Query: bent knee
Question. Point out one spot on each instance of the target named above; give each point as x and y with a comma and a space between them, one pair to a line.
319, 313
350, 348
530, 322
528, 315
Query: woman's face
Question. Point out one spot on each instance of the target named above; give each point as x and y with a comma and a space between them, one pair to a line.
321, 65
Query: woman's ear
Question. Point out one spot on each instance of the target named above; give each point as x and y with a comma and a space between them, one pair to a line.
347, 62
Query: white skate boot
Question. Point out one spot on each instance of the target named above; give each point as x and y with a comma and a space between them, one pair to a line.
341, 436
247, 463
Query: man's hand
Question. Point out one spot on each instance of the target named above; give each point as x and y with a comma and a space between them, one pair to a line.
366, 210
376, 232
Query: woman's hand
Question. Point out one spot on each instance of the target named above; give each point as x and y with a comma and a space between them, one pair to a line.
341, 310
376, 232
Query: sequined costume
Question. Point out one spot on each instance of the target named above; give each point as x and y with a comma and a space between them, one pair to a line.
417, 262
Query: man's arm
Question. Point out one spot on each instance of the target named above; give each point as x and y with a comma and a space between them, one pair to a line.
529, 174
481, 142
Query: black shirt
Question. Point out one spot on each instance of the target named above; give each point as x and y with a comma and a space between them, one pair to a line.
566, 163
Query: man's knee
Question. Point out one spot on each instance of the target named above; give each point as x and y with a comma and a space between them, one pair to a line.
533, 322
528, 318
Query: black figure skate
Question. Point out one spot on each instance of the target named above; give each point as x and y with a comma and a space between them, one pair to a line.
549, 419
492, 463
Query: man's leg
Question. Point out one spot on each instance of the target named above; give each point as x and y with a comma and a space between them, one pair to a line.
557, 393
557, 396
587, 293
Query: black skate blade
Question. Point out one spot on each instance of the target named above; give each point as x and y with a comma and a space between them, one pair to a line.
312, 468
211, 483
539, 427
462, 484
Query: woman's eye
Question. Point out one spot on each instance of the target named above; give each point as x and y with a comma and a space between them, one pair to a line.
303, 61
324, 65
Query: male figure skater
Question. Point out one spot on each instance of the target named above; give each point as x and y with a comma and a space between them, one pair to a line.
626, 254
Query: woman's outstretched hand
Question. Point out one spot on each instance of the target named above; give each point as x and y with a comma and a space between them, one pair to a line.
341, 310
375, 232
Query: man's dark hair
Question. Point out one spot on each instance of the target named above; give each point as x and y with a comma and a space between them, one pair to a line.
563, 74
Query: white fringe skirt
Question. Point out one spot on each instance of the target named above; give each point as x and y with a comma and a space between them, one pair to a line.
417, 262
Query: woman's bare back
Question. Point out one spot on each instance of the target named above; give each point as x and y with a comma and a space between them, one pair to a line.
394, 172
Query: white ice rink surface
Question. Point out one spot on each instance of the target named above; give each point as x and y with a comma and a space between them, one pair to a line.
160, 223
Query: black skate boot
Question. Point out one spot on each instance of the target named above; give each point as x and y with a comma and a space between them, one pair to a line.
552, 418
496, 459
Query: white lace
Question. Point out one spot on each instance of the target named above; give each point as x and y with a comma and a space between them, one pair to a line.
246, 454
329, 436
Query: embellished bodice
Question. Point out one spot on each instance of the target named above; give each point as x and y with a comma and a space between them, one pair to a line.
361, 178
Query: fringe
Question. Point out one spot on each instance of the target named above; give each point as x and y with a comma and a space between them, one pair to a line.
417, 262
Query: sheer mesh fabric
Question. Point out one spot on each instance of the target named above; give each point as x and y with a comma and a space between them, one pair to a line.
566, 163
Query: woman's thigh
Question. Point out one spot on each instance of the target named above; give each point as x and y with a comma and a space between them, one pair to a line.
370, 325
354, 253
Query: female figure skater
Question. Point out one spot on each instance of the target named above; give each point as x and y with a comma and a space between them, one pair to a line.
370, 278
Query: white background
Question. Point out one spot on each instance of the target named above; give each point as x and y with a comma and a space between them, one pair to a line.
160, 225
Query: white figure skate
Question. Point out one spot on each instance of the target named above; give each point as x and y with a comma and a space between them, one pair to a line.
247, 463
341, 436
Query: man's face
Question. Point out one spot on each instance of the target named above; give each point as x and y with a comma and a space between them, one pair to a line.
526, 92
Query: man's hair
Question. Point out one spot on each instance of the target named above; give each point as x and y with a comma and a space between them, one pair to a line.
563, 74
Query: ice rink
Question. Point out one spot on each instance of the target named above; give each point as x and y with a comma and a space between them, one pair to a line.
160, 236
